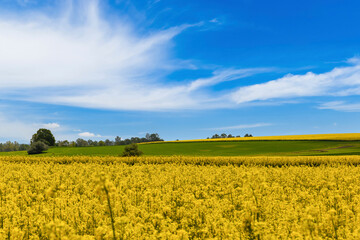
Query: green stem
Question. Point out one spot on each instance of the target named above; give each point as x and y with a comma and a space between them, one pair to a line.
110, 210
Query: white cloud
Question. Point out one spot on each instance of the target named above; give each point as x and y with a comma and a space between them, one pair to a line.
341, 106
342, 81
81, 59
242, 126
12, 129
225, 76
88, 134
46, 52
51, 125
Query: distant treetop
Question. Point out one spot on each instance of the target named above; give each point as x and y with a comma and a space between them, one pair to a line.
224, 135
153, 137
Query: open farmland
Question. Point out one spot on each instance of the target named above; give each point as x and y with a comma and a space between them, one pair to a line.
217, 148
177, 120
260, 189
308, 137
180, 197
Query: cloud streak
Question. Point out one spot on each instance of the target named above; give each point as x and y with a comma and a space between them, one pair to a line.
341, 106
51, 125
81, 59
88, 134
341, 81
242, 126
47, 52
14, 129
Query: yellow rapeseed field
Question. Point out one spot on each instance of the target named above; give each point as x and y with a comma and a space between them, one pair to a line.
327, 137
180, 198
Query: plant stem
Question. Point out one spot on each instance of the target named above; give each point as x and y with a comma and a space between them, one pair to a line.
110, 210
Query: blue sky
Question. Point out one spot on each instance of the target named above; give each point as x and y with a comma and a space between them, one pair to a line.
184, 69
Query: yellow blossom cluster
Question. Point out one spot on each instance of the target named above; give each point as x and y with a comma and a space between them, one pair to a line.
99, 198
193, 160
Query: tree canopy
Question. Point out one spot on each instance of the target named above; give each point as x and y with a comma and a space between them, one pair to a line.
132, 150
45, 136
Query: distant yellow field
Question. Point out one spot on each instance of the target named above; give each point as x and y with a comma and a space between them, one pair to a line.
352, 160
330, 137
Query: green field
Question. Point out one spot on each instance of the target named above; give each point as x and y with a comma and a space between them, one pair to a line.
241, 148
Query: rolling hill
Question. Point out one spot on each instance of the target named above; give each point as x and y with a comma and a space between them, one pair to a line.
293, 145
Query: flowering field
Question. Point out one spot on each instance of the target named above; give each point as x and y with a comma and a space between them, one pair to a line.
180, 198
310, 137
215, 148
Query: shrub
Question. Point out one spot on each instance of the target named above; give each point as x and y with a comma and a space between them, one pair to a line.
37, 147
131, 150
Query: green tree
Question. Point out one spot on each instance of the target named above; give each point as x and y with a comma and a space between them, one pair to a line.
132, 150
223, 135
81, 142
37, 147
153, 137
108, 142
45, 136
215, 136
64, 143
118, 140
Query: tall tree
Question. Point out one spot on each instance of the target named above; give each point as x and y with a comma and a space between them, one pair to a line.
81, 142
45, 136
118, 140
223, 135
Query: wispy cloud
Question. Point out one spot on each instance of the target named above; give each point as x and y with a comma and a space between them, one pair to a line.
341, 106
48, 52
51, 125
81, 59
225, 76
341, 81
12, 129
241, 126
88, 134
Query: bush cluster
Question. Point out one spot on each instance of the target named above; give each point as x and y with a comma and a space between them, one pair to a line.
37, 147
132, 150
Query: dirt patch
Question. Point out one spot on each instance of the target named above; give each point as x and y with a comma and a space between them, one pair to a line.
327, 149
320, 150
342, 147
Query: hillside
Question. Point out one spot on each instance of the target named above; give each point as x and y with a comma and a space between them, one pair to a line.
225, 147
308, 137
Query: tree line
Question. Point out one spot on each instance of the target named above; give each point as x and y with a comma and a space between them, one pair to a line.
117, 141
13, 146
46, 137
224, 135
43, 138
